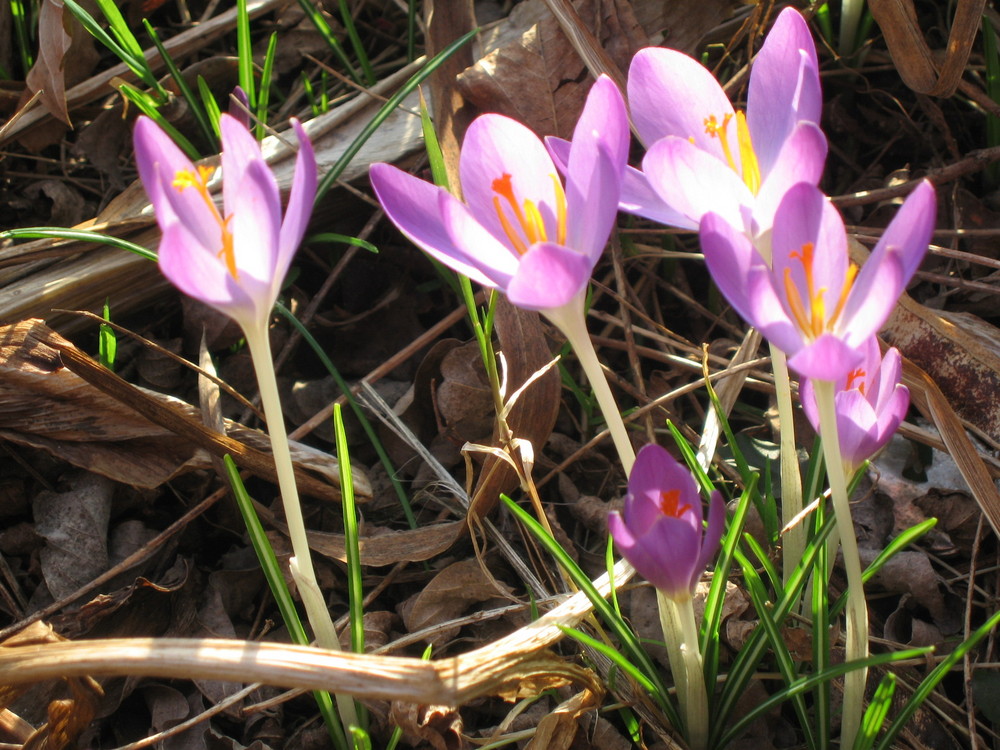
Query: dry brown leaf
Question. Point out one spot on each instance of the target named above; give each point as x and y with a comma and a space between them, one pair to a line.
447, 596
557, 730
390, 547
54, 40
60, 399
532, 72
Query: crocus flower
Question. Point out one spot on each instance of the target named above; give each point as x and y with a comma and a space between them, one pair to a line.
660, 529
811, 301
870, 403
704, 155
234, 259
519, 230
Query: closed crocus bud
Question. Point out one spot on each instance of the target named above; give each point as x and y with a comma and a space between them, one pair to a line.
660, 529
870, 403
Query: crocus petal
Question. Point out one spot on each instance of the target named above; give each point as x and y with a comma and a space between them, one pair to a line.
415, 206
654, 471
496, 146
202, 275
239, 149
784, 86
768, 311
856, 426
826, 358
665, 556
909, 232
597, 160
639, 198
729, 256
548, 276
873, 297
801, 159
255, 222
300, 201
671, 94
889, 376
160, 161
692, 182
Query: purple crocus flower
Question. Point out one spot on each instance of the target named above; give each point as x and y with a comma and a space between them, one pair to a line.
870, 403
236, 259
519, 230
660, 529
814, 304
704, 155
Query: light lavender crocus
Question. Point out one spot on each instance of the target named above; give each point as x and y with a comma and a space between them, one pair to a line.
811, 301
870, 404
520, 230
660, 529
703, 155
234, 259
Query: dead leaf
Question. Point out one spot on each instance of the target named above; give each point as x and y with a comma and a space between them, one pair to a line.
440, 726
65, 56
531, 72
447, 596
557, 730
390, 547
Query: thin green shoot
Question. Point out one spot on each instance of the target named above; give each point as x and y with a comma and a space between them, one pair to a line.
282, 596
194, 103
932, 680
355, 588
825, 21
359, 48
266, 76
83, 235
387, 109
877, 713
341, 239
904, 539
630, 643
319, 101
149, 106
411, 30
244, 53
359, 413
123, 44
326, 32
820, 608
22, 33
613, 655
107, 341
804, 684
211, 107
786, 665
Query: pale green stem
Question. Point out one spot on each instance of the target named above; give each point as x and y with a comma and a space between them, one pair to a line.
570, 320
850, 18
794, 541
680, 633
301, 563
857, 608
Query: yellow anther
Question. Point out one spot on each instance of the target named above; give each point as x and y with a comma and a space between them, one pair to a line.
185, 178
750, 172
526, 216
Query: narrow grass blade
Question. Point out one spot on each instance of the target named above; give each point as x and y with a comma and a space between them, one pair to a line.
328, 36
264, 95
359, 49
244, 53
419, 77
282, 596
878, 711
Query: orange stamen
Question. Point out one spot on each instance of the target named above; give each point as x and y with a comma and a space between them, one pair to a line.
814, 321
184, 179
670, 504
748, 157
527, 216
853, 375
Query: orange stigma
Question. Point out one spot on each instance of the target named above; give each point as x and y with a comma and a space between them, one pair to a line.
526, 217
670, 504
750, 173
184, 179
813, 322
856, 375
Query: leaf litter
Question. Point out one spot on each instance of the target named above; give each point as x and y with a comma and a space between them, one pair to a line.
88, 479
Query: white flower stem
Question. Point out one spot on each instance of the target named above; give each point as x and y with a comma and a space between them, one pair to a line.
857, 608
301, 563
794, 540
569, 319
680, 633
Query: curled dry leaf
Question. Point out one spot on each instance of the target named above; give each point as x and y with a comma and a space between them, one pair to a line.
59, 399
